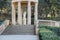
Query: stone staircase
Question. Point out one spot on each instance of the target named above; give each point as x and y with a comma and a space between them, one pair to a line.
20, 32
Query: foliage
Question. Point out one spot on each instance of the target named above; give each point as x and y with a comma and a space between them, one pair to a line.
49, 33
49, 7
45, 8
4, 6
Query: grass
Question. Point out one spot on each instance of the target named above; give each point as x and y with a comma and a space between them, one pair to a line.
49, 33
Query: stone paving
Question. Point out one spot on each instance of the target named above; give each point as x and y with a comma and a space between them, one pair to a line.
18, 37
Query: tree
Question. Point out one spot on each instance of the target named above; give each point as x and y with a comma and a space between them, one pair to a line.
51, 7
4, 4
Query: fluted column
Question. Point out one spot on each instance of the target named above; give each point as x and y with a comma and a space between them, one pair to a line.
13, 15
36, 15
19, 13
29, 13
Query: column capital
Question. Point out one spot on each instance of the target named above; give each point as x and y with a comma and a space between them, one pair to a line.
12, 3
36, 1
36, 4
19, 0
36, 7
29, 1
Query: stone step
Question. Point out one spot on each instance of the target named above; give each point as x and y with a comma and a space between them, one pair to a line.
19, 30
19, 37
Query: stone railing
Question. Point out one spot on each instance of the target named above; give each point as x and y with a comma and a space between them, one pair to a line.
4, 25
49, 23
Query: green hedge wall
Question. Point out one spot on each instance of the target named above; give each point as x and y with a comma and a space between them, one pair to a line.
49, 33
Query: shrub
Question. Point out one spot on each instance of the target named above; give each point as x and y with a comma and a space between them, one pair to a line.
48, 33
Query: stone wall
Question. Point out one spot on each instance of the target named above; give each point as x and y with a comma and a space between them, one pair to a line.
4, 25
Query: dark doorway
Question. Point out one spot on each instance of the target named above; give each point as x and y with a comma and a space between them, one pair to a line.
32, 15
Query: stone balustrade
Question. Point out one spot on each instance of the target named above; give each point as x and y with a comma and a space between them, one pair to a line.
49, 23
4, 25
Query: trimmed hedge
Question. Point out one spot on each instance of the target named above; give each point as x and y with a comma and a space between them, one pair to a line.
49, 33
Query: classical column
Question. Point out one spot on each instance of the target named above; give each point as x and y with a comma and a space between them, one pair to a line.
13, 15
29, 13
36, 15
19, 13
